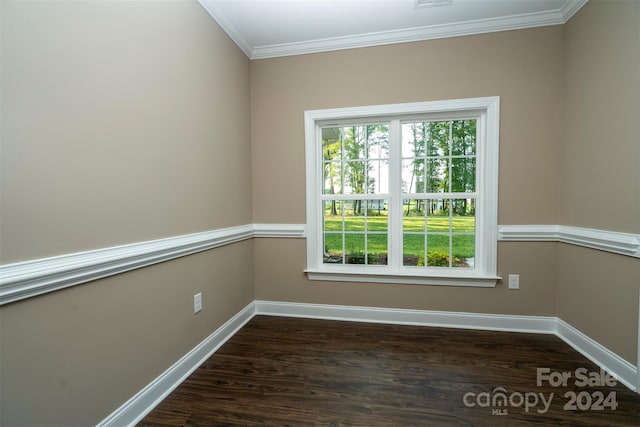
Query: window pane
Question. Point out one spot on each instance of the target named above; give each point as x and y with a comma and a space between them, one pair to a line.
348, 225
413, 140
408, 176
332, 232
354, 177
331, 143
413, 175
412, 221
438, 253
437, 171
354, 142
354, 215
377, 249
432, 206
413, 249
413, 208
463, 218
463, 250
437, 156
332, 245
332, 215
332, 178
377, 216
437, 138
378, 176
438, 218
378, 141
354, 247
463, 174
463, 137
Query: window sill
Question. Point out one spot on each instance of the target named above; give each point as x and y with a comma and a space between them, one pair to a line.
457, 278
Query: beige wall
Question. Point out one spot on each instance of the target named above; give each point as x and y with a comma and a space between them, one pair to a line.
524, 68
597, 291
72, 357
601, 164
280, 277
598, 295
121, 122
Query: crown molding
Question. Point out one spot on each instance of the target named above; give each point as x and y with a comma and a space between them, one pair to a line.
216, 13
431, 32
570, 8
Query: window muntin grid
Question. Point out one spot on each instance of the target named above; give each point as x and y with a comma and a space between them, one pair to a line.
439, 193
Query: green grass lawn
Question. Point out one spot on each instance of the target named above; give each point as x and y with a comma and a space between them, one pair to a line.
414, 235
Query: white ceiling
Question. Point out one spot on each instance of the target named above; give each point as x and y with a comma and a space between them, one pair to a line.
271, 28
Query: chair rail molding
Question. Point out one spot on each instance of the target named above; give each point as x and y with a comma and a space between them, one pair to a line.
604, 240
30, 278
27, 279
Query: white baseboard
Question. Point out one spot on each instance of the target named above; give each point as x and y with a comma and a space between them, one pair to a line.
494, 322
133, 410
624, 371
149, 397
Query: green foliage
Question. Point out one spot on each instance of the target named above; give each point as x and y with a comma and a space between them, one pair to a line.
437, 258
355, 257
414, 238
443, 161
347, 160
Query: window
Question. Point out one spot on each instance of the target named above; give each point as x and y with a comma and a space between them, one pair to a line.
403, 193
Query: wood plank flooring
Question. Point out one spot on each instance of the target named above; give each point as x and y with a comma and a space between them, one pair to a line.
303, 372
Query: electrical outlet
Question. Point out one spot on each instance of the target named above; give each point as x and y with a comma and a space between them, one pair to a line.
197, 302
514, 281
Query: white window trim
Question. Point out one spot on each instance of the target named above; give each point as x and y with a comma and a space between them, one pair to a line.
484, 273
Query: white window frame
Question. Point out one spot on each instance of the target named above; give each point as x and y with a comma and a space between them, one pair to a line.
486, 111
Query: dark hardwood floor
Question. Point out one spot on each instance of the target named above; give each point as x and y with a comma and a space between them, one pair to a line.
302, 372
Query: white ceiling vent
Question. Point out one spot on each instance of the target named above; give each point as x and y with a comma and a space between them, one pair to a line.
431, 3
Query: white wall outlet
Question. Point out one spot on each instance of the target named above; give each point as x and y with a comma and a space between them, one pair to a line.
197, 302
514, 281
